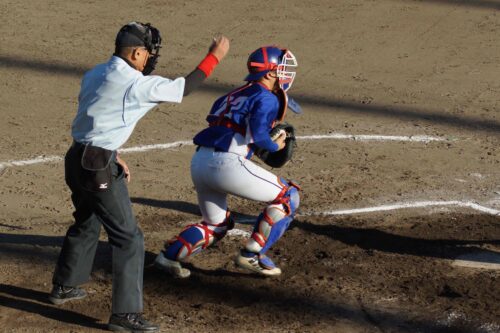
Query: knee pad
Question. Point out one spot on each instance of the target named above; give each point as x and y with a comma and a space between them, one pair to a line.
275, 219
289, 196
196, 237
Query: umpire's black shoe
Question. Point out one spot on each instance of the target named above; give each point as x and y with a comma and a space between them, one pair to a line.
61, 294
130, 322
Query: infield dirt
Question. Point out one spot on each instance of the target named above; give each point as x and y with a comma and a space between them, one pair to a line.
366, 67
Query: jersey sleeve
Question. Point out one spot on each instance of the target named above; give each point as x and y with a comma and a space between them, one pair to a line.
148, 91
157, 89
262, 114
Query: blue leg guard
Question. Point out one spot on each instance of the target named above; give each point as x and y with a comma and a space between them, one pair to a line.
275, 220
195, 238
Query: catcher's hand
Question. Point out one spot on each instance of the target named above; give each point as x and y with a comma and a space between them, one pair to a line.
280, 138
284, 135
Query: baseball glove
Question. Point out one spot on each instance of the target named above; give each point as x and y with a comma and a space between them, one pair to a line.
279, 158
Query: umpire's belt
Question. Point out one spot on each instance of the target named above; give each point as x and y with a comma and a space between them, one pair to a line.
77, 145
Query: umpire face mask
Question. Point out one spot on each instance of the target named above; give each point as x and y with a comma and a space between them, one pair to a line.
153, 47
140, 34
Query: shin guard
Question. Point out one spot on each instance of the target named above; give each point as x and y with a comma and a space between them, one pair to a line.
275, 220
196, 237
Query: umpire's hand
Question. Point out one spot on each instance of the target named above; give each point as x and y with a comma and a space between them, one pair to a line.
125, 168
219, 47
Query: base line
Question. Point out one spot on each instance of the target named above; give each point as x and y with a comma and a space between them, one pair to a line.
404, 205
383, 208
177, 144
395, 206
341, 136
417, 204
170, 145
36, 160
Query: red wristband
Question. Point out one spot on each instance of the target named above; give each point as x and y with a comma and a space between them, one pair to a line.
208, 64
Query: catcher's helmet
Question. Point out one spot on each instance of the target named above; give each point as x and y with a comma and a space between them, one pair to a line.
270, 58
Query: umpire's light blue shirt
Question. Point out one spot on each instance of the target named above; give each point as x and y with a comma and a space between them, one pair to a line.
113, 97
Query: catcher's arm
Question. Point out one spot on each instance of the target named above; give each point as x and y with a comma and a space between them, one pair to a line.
259, 120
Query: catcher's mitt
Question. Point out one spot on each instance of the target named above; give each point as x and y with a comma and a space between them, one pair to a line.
279, 158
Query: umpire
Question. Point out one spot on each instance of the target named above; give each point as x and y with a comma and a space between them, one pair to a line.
114, 96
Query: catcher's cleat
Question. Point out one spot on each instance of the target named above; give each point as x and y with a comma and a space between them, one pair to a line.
61, 294
257, 263
171, 267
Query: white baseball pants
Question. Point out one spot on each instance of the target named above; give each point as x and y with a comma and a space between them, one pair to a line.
217, 174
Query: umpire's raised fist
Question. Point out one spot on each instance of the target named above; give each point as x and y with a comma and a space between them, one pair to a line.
219, 47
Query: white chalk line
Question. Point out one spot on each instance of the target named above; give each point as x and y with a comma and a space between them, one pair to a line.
159, 146
396, 206
37, 160
177, 144
404, 205
341, 136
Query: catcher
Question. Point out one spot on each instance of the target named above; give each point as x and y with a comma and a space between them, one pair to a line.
240, 124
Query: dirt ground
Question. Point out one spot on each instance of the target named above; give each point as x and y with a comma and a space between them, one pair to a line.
386, 67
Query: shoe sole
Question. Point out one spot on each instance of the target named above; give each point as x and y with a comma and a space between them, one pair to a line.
243, 263
59, 301
116, 328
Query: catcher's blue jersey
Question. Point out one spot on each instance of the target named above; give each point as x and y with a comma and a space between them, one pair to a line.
241, 119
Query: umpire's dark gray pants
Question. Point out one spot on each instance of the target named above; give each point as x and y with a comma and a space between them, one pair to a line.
113, 210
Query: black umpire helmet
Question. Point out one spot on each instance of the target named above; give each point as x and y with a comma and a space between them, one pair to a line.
140, 34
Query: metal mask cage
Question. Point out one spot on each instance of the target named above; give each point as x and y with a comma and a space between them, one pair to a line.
154, 39
285, 70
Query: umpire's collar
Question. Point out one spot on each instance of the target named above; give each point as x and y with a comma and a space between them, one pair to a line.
126, 60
